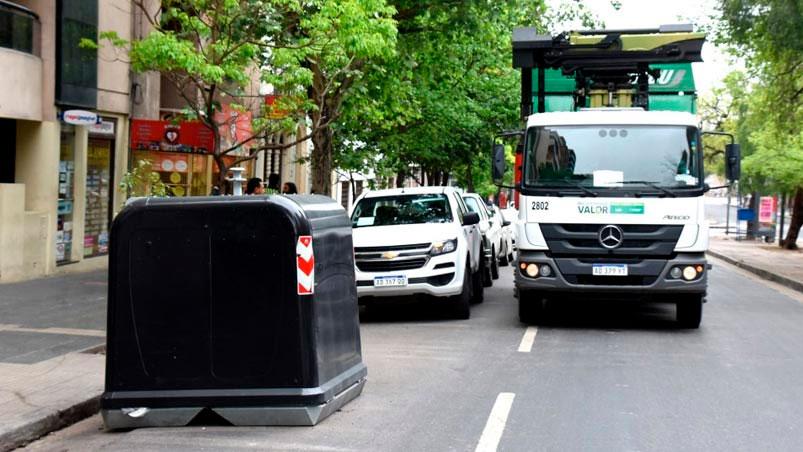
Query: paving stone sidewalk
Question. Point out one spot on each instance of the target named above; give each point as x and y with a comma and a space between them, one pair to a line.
51, 373
766, 260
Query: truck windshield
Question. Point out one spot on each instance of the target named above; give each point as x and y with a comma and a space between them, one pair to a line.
609, 156
401, 209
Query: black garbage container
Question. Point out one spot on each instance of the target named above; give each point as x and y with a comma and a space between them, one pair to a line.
245, 306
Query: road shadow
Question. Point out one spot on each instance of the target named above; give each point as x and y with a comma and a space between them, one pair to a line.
407, 309
607, 315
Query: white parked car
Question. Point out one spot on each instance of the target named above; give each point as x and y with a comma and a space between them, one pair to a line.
491, 237
411, 241
506, 250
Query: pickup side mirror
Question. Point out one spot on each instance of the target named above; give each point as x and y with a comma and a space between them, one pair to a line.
471, 218
499, 165
733, 159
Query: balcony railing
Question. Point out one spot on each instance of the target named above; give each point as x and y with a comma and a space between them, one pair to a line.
19, 28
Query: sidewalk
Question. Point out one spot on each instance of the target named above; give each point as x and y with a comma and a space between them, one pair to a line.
50, 372
768, 261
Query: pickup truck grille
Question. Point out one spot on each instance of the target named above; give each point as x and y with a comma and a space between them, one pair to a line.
390, 258
582, 240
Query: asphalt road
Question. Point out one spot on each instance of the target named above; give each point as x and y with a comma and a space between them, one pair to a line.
596, 377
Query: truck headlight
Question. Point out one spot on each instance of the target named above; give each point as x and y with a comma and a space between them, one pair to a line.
444, 247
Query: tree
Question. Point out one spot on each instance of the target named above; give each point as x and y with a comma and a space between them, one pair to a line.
322, 57
769, 33
209, 52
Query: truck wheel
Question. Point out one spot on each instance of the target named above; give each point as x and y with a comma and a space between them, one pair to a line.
531, 306
478, 289
690, 311
460, 303
494, 264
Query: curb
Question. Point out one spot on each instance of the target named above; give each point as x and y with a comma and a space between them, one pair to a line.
50, 423
765, 274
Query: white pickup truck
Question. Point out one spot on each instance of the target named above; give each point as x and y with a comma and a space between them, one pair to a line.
417, 241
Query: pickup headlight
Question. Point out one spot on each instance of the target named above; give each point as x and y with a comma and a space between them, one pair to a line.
446, 246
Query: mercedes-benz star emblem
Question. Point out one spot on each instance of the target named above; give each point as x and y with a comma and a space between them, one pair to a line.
610, 236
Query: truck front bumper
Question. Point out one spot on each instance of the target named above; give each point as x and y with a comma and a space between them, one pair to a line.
573, 276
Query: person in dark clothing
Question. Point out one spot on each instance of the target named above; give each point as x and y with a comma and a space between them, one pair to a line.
273, 182
289, 188
254, 187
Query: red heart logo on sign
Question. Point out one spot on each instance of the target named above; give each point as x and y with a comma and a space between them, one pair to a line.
305, 240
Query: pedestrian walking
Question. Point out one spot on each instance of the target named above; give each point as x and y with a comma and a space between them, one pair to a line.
289, 188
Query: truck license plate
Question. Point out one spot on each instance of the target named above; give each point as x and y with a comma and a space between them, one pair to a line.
609, 269
390, 281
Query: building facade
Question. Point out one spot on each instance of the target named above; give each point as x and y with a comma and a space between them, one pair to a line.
72, 118
64, 113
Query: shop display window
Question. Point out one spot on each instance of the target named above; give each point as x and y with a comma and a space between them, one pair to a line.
98, 191
64, 214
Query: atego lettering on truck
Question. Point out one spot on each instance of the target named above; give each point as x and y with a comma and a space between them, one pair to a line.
609, 169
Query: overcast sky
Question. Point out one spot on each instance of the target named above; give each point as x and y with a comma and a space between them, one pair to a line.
652, 13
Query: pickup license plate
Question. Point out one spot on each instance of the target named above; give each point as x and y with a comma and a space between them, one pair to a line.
390, 281
609, 269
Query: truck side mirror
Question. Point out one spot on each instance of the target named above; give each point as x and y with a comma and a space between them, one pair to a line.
499, 165
733, 159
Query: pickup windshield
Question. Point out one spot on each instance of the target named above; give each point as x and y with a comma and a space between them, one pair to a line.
612, 156
401, 209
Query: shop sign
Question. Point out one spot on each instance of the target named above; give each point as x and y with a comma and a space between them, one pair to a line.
766, 209
272, 111
80, 117
187, 136
235, 129
104, 127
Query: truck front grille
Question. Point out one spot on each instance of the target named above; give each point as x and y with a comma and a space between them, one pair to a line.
582, 240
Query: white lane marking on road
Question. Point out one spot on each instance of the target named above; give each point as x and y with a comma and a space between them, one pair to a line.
527, 340
492, 433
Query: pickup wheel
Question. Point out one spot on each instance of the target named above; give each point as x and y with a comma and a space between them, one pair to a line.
494, 264
460, 303
504, 261
477, 286
485, 270
531, 306
690, 311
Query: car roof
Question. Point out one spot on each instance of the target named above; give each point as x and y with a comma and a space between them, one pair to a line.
409, 191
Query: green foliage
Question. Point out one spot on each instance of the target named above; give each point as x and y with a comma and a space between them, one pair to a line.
450, 87
769, 34
141, 180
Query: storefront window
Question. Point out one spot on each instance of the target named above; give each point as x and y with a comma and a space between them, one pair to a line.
184, 174
66, 190
98, 190
199, 183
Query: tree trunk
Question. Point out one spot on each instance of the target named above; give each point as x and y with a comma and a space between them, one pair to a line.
469, 179
322, 161
790, 243
400, 176
221, 177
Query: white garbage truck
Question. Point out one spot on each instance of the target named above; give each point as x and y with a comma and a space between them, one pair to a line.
609, 174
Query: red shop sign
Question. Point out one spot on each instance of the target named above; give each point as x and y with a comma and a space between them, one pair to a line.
188, 136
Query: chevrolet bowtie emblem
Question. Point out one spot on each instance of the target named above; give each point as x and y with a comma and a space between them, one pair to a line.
390, 255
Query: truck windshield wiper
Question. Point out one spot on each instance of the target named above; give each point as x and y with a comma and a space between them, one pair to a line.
652, 185
578, 185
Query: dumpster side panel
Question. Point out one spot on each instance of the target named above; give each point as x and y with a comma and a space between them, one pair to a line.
336, 312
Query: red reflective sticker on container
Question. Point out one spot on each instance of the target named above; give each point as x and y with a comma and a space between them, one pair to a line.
305, 265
